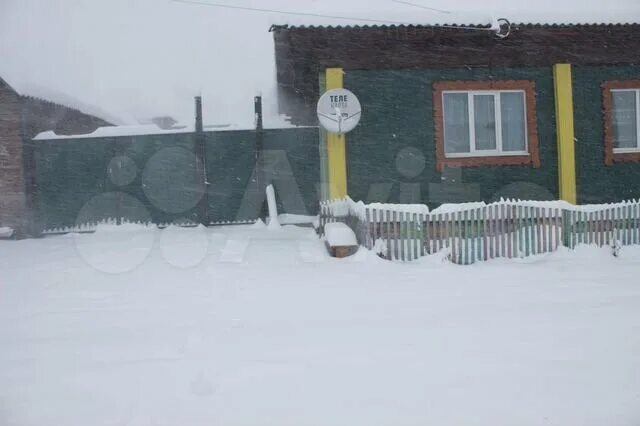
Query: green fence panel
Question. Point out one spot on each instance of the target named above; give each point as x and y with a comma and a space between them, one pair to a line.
69, 174
160, 179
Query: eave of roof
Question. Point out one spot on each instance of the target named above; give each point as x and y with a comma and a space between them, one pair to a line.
593, 25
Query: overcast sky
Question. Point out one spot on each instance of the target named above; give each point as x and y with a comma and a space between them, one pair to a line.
135, 59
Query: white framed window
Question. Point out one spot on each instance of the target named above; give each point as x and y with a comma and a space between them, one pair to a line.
626, 120
485, 123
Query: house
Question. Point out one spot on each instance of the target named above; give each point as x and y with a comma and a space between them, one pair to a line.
21, 118
469, 113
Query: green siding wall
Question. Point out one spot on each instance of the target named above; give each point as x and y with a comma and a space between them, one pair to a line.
398, 114
597, 182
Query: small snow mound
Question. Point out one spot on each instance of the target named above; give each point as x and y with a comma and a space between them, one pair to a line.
258, 225
339, 234
296, 219
6, 232
126, 227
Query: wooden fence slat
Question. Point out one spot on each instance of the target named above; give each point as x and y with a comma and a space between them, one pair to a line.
636, 220
555, 228
629, 221
627, 228
430, 230
614, 226
496, 230
459, 237
410, 236
433, 234
376, 226
424, 233
416, 229
398, 229
527, 233
546, 229
478, 236
448, 226
485, 236
589, 228
600, 225
538, 228
578, 227
441, 232
631, 217
519, 230
568, 228
401, 236
368, 234
500, 227
506, 219
388, 232
406, 235
635, 223
451, 230
513, 224
607, 226
471, 236
490, 232
542, 224
550, 229
462, 240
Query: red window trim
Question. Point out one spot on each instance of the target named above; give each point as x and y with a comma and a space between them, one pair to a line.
533, 159
611, 157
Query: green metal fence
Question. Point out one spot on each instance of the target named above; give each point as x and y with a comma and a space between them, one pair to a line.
161, 179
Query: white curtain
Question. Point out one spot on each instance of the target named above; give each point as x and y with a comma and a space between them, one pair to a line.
625, 120
456, 123
513, 121
485, 122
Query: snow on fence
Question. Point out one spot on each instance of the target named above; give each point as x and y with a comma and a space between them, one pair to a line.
478, 232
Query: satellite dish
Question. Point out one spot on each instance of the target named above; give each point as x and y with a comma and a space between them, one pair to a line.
339, 111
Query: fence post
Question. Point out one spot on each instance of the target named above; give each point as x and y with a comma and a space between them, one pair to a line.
259, 152
565, 228
201, 163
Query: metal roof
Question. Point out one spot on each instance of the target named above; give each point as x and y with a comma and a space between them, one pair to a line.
586, 25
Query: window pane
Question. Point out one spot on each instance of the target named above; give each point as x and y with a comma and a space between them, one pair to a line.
624, 119
456, 123
485, 122
513, 121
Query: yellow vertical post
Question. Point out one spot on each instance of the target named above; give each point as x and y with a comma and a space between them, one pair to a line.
564, 127
336, 144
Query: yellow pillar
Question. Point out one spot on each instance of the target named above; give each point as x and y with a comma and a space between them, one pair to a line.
564, 127
336, 144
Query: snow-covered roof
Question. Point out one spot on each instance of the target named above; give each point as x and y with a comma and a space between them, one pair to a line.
34, 91
153, 129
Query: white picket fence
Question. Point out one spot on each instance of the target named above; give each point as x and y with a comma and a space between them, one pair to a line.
505, 229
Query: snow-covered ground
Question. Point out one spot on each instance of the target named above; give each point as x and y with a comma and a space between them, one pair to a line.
250, 326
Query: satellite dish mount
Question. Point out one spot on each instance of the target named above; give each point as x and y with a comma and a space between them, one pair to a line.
339, 111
